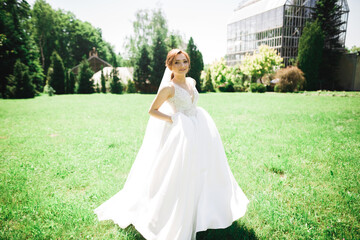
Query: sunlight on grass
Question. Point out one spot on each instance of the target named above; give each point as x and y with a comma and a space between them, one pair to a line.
296, 156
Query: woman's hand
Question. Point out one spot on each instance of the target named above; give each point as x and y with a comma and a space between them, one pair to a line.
175, 117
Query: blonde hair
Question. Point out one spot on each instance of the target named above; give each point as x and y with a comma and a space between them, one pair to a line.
171, 57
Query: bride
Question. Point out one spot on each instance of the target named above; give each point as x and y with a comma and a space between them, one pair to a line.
180, 182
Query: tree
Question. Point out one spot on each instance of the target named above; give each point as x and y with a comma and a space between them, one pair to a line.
146, 26
70, 82
266, 61
142, 71
159, 53
16, 43
208, 85
43, 20
71, 37
115, 83
86, 84
103, 82
57, 78
20, 83
310, 54
173, 42
196, 63
131, 87
329, 15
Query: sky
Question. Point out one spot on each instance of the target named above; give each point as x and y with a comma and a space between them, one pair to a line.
204, 20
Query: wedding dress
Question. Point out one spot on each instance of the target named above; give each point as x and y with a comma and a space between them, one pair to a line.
180, 182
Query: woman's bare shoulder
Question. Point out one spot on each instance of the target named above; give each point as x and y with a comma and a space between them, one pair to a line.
168, 90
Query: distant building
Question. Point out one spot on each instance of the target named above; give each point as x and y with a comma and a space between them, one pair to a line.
125, 74
96, 63
276, 23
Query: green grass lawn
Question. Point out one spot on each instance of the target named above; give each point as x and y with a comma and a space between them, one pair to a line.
296, 157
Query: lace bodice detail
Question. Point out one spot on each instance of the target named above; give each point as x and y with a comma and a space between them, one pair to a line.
182, 101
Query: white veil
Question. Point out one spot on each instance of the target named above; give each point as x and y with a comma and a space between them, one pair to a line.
157, 130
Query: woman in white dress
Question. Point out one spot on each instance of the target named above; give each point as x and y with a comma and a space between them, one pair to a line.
180, 182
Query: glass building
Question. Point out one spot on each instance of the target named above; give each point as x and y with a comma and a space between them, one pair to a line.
276, 23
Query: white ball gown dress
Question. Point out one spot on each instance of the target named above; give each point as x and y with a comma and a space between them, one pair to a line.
180, 182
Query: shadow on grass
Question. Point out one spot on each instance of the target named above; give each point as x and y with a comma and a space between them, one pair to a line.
234, 232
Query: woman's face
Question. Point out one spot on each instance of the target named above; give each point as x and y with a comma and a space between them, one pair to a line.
180, 64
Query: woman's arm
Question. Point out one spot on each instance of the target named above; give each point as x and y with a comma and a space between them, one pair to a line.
160, 98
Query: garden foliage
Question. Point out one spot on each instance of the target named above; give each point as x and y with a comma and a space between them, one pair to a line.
265, 61
85, 83
208, 85
196, 63
130, 87
310, 54
103, 82
115, 83
57, 75
291, 79
20, 83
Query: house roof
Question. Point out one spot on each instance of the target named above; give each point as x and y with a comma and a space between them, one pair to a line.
91, 59
250, 8
124, 73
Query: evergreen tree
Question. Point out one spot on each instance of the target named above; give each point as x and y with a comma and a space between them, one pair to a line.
20, 83
86, 84
115, 83
159, 53
310, 54
196, 62
16, 43
173, 42
103, 82
97, 88
208, 85
131, 87
329, 15
57, 79
142, 71
70, 82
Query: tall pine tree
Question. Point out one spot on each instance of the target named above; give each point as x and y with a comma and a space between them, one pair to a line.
115, 84
70, 82
310, 54
329, 14
20, 83
196, 62
57, 78
142, 71
86, 84
103, 81
159, 53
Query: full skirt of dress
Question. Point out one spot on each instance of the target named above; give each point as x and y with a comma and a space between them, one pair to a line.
180, 182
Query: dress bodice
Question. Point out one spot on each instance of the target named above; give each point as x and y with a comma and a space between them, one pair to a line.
182, 101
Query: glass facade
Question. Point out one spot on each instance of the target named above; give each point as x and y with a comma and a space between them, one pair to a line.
278, 24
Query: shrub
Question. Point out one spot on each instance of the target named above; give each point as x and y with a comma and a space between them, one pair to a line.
291, 79
227, 87
85, 83
239, 88
103, 82
131, 87
20, 83
57, 77
115, 83
260, 63
208, 85
257, 87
